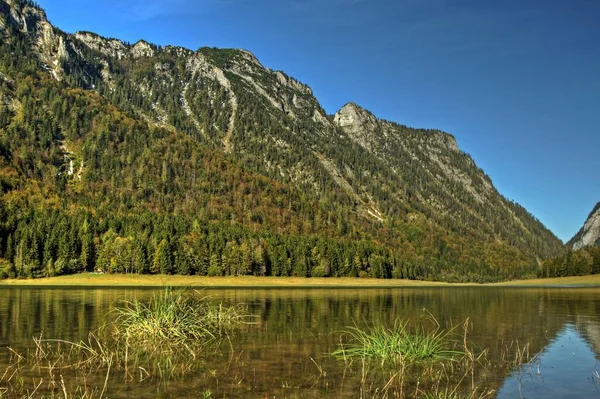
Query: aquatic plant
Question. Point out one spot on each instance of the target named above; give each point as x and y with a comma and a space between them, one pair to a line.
398, 344
166, 337
175, 318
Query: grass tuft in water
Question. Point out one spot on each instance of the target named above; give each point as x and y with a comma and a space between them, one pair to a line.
167, 337
175, 318
397, 345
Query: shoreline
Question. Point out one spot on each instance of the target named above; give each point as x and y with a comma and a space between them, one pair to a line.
150, 281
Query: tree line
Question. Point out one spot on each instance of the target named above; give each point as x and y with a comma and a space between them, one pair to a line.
582, 262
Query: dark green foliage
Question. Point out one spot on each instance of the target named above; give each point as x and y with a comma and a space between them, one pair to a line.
573, 263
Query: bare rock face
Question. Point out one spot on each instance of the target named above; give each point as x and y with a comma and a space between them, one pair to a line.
46, 39
589, 235
292, 83
178, 51
115, 48
110, 47
142, 49
358, 123
446, 141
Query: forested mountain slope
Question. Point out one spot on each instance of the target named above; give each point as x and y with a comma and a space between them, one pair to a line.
139, 158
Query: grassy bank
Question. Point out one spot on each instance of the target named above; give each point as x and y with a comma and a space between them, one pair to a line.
132, 280
592, 280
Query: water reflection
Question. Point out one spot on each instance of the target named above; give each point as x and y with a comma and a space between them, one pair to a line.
283, 354
567, 368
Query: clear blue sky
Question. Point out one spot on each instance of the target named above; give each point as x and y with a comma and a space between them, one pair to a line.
517, 82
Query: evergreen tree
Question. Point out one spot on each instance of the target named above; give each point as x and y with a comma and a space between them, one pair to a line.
215, 268
88, 255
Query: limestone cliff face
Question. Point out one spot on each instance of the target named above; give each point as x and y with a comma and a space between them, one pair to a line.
115, 48
31, 21
589, 235
431, 152
111, 47
359, 124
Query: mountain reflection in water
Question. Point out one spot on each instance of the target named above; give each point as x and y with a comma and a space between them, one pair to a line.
567, 368
287, 353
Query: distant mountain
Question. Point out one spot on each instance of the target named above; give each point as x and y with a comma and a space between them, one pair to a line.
583, 254
589, 234
141, 158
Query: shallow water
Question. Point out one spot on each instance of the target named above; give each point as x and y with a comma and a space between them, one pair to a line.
286, 353
567, 368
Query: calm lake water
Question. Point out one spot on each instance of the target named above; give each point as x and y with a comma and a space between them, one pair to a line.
286, 353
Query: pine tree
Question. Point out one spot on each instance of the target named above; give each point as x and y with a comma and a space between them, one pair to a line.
163, 258
246, 259
140, 258
215, 268
596, 261
88, 255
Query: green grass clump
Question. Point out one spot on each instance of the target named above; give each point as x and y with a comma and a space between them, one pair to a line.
173, 318
397, 345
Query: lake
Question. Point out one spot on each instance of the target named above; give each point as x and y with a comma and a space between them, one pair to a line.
286, 351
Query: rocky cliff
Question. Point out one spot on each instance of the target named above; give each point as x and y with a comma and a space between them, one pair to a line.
589, 234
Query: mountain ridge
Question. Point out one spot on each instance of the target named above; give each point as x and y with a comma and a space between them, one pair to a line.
410, 191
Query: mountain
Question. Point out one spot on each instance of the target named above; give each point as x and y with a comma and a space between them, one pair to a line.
589, 234
142, 158
583, 254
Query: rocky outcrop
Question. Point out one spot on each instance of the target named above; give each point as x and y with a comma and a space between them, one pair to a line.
142, 49
47, 41
110, 47
589, 235
115, 48
359, 124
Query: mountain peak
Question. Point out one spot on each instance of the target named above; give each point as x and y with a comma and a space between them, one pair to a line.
250, 57
354, 117
589, 235
359, 124
142, 49
354, 107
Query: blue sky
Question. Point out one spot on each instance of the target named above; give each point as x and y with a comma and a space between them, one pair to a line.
517, 82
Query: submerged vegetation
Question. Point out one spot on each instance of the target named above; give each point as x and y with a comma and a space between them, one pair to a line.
421, 362
286, 350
